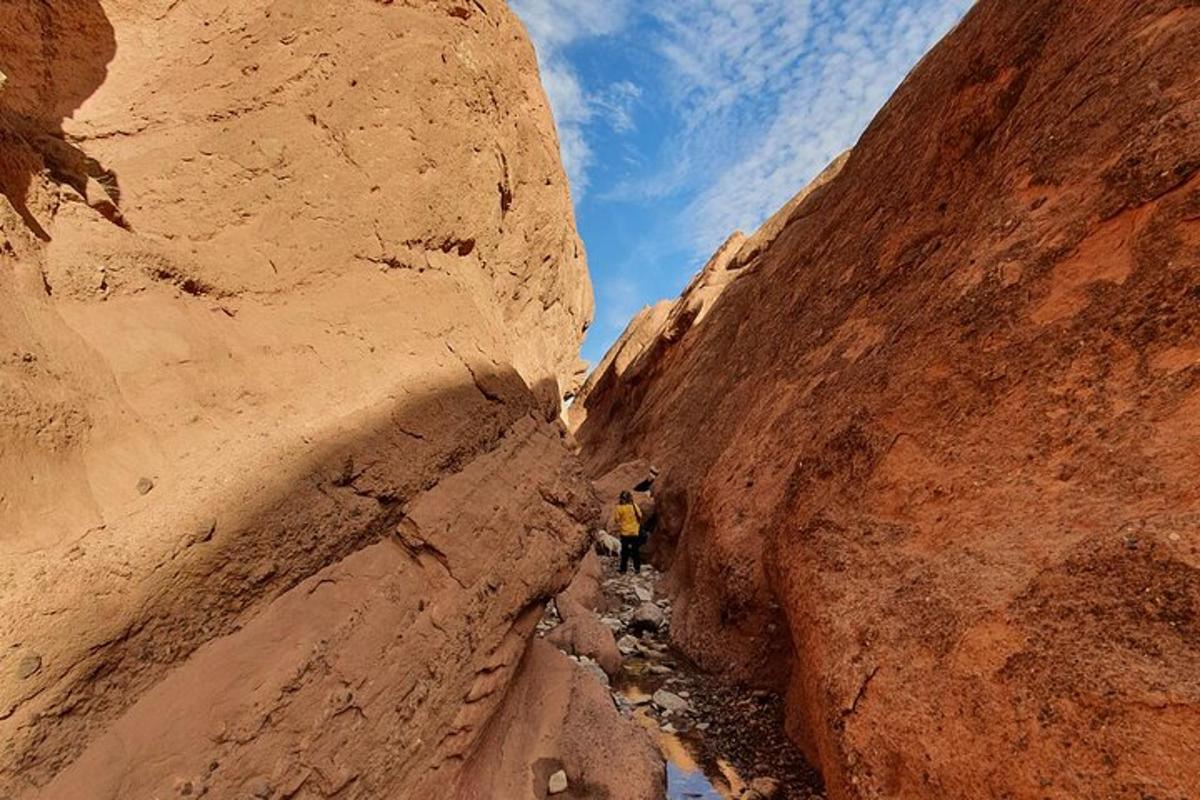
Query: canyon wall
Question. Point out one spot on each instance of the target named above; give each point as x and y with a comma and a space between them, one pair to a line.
291, 293
943, 431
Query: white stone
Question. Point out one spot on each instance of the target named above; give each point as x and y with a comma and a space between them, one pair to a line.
558, 783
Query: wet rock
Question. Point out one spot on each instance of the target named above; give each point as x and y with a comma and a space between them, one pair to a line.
558, 783
648, 618
669, 701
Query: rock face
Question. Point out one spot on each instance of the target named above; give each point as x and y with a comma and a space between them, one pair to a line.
290, 295
944, 431
657, 328
562, 719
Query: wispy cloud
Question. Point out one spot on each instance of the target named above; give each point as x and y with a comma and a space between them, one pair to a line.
710, 114
555, 25
808, 82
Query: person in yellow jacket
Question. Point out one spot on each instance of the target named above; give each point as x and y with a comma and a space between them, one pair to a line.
628, 520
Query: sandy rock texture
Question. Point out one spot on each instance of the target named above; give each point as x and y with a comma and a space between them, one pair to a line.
657, 328
944, 431
565, 718
291, 293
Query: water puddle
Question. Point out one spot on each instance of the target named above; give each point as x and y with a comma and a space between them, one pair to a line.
687, 777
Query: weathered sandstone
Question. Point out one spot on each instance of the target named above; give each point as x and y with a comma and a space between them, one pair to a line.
944, 431
290, 294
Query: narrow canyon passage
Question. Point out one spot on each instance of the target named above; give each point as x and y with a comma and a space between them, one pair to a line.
293, 507
720, 741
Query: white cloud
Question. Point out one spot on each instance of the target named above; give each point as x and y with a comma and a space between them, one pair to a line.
771, 92
554, 25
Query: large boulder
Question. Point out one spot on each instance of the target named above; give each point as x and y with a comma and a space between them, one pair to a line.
647, 618
583, 634
929, 460
558, 717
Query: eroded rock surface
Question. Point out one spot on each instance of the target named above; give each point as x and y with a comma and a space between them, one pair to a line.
291, 293
930, 462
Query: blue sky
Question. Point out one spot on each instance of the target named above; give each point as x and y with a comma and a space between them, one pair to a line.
682, 121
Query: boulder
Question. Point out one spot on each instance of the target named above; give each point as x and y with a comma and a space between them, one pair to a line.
669, 701
583, 634
647, 618
556, 716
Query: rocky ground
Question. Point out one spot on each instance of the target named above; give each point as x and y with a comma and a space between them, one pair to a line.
721, 741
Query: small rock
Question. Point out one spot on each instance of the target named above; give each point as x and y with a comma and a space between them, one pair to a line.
685, 695
595, 669
766, 788
643, 594
29, 665
259, 787
660, 669
144, 486
669, 728
648, 617
669, 701
627, 644
702, 726
558, 783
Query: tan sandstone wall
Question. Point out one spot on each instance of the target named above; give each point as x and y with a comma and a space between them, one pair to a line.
289, 295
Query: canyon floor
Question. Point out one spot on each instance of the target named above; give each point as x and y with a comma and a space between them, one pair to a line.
720, 740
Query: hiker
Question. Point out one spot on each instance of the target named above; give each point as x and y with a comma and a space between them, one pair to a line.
628, 518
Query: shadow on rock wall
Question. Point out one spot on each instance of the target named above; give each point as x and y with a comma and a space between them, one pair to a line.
54, 55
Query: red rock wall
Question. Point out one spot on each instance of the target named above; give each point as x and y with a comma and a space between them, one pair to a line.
945, 430
289, 294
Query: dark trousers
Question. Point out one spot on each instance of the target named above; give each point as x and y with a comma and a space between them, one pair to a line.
630, 547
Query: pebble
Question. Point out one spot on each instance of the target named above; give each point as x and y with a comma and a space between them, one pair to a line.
558, 783
144, 486
669, 701
627, 644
